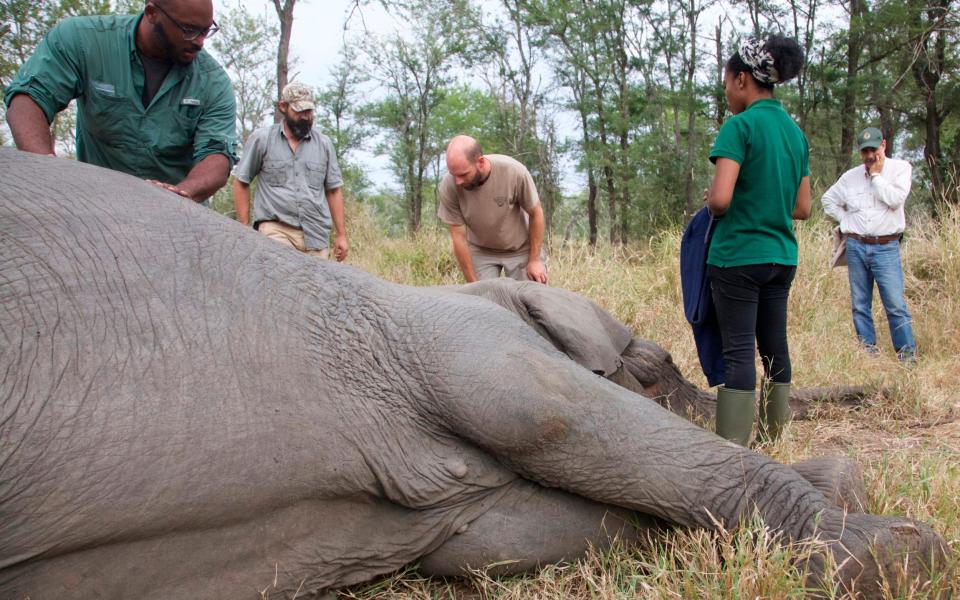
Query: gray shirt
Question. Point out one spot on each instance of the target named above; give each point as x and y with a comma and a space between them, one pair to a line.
291, 187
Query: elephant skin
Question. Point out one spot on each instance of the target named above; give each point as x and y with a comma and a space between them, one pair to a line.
596, 340
189, 409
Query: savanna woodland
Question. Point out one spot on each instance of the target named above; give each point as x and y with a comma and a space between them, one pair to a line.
613, 106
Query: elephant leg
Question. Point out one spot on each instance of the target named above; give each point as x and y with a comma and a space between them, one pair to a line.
531, 526
570, 429
838, 478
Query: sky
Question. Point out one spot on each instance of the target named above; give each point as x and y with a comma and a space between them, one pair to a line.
319, 30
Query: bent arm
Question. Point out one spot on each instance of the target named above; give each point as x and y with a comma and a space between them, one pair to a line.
44, 86
205, 178
536, 270
241, 201
834, 202
892, 189
335, 201
801, 209
28, 123
458, 233
721, 190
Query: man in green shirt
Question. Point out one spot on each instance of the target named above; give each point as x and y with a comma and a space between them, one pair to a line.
150, 101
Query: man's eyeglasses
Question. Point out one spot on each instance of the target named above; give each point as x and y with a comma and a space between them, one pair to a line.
190, 33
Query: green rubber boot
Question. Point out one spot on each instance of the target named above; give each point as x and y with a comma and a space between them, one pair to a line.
735, 413
775, 411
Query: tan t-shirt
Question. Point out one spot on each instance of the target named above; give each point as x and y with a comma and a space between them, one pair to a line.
496, 212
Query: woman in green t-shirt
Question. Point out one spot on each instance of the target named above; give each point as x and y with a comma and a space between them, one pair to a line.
760, 185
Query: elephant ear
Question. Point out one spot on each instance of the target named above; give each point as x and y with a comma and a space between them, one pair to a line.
588, 334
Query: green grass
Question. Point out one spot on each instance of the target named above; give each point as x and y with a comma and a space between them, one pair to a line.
906, 438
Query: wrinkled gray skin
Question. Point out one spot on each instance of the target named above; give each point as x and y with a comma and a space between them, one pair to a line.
188, 409
595, 340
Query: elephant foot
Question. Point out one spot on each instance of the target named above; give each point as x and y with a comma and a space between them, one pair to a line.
876, 556
838, 478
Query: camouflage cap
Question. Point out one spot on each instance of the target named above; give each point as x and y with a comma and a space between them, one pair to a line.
869, 138
298, 95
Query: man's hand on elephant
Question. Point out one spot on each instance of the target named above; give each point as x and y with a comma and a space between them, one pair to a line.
537, 271
169, 187
340, 247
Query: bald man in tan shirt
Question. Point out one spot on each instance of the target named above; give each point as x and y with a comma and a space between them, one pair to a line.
491, 206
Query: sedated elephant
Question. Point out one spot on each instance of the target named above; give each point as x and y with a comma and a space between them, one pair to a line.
596, 340
188, 409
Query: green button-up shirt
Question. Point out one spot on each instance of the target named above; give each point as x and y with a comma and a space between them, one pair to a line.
95, 60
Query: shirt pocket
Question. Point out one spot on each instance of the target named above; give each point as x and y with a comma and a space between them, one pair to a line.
316, 176
274, 172
860, 200
104, 117
177, 137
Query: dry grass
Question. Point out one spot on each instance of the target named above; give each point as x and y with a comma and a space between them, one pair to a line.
907, 439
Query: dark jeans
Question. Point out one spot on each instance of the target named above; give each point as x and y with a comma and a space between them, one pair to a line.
751, 304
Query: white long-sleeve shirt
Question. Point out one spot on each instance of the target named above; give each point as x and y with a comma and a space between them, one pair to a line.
870, 205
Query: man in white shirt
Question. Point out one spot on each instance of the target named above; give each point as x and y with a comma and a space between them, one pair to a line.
868, 203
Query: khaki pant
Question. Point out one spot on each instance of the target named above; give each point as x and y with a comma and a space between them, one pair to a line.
291, 236
488, 265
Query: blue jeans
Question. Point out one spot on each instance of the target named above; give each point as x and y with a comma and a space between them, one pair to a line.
867, 263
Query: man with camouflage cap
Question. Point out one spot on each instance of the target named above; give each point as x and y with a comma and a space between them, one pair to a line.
868, 203
299, 187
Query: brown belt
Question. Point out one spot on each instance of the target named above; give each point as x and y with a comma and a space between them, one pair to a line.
876, 239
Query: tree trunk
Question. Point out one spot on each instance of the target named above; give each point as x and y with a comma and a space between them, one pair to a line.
848, 110
720, 100
928, 68
611, 204
285, 14
607, 166
690, 193
547, 165
591, 179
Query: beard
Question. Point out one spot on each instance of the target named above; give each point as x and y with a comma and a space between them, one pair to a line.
300, 129
170, 53
474, 183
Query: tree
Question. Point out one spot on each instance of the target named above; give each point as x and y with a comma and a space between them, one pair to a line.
930, 25
242, 47
582, 57
23, 24
284, 10
855, 42
508, 56
414, 72
338, 104
339, 115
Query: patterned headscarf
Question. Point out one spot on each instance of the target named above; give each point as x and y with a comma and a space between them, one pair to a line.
759, 60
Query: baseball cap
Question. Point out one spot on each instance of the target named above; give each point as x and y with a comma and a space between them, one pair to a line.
869, 138
298, 95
